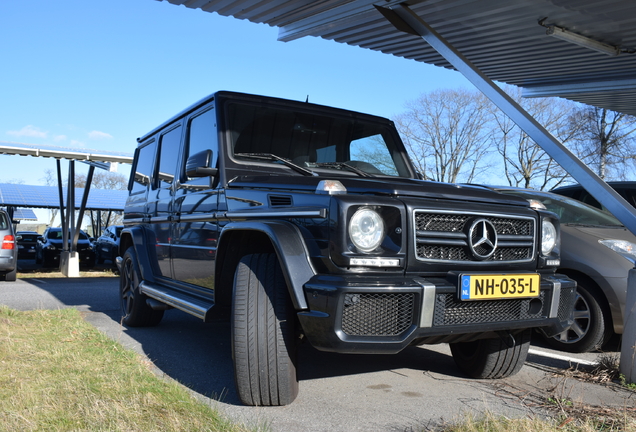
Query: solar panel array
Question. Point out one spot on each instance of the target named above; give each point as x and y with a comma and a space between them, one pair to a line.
19, 195
22, 214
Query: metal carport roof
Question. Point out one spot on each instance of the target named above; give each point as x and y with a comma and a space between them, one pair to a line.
503, 38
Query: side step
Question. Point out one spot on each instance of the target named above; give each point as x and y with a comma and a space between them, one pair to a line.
194, 305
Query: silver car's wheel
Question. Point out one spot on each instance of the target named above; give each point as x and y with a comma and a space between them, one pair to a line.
588, 332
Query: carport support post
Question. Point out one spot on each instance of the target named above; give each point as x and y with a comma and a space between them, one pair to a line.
69, 261
404, 19
628, 349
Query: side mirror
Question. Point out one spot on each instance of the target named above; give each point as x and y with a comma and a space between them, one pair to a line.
198, 165
40, 238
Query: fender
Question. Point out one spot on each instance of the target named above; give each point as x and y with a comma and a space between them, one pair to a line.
137, 237
290, 249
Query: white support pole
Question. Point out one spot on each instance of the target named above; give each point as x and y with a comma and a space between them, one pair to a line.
69, 260
628, 347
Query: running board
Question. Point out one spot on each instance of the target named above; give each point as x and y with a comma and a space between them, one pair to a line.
194, 305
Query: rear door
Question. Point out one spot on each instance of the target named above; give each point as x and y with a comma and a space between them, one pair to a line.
161, 195
196, 201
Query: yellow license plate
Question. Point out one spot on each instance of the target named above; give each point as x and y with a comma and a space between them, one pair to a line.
498, 286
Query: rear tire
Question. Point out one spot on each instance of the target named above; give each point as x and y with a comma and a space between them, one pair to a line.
263, 333
492, 358
11, 276
135, 311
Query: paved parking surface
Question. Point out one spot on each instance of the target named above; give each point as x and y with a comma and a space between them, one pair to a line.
416, 388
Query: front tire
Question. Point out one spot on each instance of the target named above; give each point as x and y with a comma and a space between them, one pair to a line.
263, 333
492, 358
135, 311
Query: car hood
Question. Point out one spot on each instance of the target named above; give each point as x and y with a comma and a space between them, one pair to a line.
397, 187
595, 233
581, 251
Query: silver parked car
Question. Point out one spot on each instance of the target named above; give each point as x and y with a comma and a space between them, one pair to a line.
8, 249
595, 251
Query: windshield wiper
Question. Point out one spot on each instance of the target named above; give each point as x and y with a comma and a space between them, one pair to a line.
270, 156
344, 165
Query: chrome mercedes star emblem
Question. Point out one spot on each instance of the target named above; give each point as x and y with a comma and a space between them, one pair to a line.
482, 239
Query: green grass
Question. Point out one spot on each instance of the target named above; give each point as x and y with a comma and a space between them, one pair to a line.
59, 373
590, 422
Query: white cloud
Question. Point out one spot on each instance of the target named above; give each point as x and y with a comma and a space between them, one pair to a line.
29, 131
97, 135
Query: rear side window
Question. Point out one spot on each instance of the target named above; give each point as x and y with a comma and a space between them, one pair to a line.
143, 167
4, 222
169, 154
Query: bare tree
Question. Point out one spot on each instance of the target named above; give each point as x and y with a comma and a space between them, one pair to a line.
525, 163
103, 180
50, 178
447, 133
607, 140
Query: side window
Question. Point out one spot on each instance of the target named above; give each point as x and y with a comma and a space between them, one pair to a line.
202, 136
168, 156
143, 168
589, 199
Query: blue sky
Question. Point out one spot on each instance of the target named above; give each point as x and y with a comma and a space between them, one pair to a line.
96, 75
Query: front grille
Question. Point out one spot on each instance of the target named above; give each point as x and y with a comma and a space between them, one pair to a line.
450, 311
381, 314
443, 237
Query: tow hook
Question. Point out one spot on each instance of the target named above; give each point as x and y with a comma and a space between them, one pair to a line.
507, 338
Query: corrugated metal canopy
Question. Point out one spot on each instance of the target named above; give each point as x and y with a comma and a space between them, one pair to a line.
18, 195
503, 38
71, 153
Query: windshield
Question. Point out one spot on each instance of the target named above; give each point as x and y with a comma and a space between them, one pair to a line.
314, 141
569, 210
57, 235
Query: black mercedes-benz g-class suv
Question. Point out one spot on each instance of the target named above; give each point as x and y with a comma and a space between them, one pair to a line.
309, 222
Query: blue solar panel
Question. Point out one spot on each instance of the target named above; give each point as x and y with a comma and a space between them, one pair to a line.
24, 214
48, 197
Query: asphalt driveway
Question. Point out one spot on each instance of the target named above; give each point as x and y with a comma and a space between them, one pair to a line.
412, 390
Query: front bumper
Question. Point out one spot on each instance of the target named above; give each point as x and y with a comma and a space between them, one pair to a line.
358, 314
86, 257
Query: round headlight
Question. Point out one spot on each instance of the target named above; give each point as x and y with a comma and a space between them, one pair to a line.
366, 230
548, 237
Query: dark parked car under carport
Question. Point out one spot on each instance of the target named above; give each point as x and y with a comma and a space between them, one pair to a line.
26, 243
49, 248
107, 245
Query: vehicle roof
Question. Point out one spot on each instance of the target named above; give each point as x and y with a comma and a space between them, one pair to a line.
247, 96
